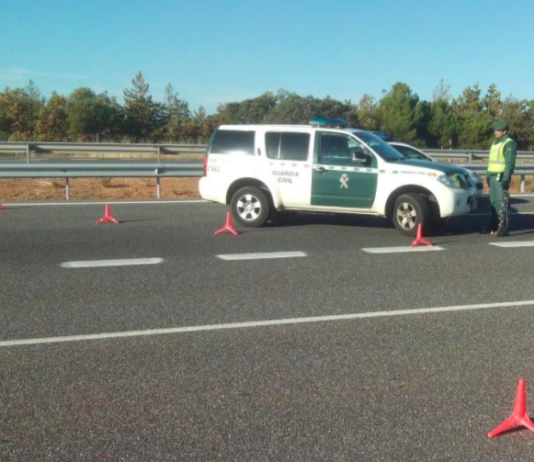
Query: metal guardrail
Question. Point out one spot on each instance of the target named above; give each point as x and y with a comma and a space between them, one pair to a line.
101, 170
470, 155
26, 148
172, 169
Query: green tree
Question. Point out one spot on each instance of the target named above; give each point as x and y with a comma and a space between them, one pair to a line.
368, 113
143, 117
401, 113
19, 112
200, 126
175, 113
53, 125
474, 123
441, 92
93, 117
491, 102
442, 126
250, 111
520, 117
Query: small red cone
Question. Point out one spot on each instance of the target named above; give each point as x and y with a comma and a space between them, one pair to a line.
3, 207
419, 238
108, 217
228, 226
519, 415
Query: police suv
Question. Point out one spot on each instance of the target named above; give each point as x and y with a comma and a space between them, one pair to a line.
327, 167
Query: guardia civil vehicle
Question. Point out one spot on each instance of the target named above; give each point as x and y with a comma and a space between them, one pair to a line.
260, 170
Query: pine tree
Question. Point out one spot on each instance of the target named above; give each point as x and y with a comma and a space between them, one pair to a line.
143, 117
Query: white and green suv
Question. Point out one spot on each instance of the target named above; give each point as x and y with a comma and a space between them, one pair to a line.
260, 169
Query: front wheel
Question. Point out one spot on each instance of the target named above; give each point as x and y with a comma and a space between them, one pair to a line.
409, 211
250, 207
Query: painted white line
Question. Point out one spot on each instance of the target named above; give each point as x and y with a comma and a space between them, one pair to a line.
402, 249
513, 244
44, 204
275, 322
111, 263
262, 256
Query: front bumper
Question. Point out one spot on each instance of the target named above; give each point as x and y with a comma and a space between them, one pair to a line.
459, 202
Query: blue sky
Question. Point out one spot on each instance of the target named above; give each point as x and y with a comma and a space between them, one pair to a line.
220, 51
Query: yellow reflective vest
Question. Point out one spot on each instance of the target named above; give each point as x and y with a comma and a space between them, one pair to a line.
497, 162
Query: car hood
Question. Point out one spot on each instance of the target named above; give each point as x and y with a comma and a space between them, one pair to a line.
447, 169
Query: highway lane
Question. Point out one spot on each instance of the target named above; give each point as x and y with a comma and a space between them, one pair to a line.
423, 387
193, 287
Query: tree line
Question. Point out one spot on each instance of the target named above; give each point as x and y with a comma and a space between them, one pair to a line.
444, 122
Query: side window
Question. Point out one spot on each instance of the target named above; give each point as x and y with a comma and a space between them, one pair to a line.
287, 146
342, 150
233, 142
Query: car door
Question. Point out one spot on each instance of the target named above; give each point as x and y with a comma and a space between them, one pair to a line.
345, 172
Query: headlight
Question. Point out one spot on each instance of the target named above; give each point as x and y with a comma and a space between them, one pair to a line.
452, 181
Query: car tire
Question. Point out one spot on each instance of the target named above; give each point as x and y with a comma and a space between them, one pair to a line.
250, 207
409, 211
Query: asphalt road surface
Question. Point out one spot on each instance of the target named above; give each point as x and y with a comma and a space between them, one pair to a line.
329, 354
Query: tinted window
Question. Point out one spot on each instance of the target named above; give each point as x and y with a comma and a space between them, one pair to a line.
287, 146
384, 150
343, 150
233, 142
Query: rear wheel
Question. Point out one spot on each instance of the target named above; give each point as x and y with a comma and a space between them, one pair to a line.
409, 211
250, 207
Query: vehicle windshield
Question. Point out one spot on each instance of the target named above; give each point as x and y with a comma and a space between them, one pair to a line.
384, 150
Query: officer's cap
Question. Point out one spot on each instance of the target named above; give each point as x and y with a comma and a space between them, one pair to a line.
500, 125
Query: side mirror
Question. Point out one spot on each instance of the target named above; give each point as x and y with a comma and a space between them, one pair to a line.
358, 159
361, 158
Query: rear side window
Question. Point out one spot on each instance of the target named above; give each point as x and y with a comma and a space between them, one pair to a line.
233, 142
287, 146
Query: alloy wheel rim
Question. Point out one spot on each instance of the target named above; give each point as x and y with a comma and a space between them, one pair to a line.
248, 207
406, 216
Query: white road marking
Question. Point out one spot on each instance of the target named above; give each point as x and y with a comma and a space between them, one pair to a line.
513, 244
44, 204
111, 263
402, 249
262, 256
274, 322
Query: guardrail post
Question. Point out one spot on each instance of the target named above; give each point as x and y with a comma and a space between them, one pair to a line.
158, 186
67, 189
159, 153
522, 183
27, 153
470, 154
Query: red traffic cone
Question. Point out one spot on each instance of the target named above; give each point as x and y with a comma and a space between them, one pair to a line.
419, 238
519, 415
228, 226
3, 207
108, 217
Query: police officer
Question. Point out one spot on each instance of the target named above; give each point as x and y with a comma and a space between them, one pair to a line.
500, 168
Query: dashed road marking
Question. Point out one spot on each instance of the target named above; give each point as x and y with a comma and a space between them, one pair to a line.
111, 263
274, 322
261, 256
404, 249
513, 244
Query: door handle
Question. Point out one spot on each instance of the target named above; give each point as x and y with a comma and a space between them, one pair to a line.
319, 169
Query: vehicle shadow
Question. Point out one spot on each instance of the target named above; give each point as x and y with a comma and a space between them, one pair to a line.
460, 225
291, 219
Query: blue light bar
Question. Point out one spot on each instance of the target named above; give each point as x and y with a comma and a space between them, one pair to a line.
328, 122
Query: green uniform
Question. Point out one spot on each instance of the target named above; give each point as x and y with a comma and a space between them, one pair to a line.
500, 168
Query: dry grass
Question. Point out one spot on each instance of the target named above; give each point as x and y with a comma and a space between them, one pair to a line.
93, 188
